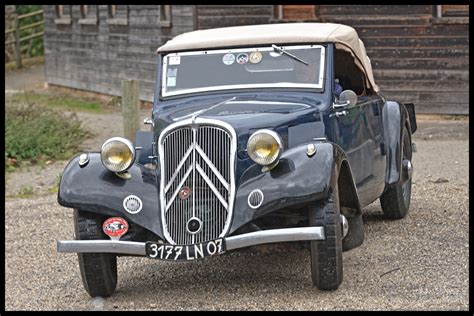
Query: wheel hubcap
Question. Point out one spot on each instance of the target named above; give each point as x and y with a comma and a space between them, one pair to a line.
345, 225
407, 169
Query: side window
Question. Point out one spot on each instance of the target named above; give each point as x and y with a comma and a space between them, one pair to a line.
350, 76
63, 14
117, 14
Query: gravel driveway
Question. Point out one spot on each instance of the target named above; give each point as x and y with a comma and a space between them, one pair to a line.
417, 263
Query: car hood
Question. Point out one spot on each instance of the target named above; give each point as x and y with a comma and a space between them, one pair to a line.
244, 113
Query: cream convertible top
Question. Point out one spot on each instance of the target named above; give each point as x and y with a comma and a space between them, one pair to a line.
345, 37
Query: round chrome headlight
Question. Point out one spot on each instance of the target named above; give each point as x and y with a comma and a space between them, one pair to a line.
117, 154
264, 147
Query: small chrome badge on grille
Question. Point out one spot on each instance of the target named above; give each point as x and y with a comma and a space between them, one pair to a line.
184, 193
194, 225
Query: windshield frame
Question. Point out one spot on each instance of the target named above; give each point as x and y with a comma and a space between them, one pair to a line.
318, 85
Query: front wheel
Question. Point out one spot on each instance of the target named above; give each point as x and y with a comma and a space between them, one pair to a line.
326, 255
98, 270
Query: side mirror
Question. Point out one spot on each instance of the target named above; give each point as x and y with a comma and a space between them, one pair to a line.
348, 97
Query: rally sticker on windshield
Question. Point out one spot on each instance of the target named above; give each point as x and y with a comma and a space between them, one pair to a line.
242, 58
171, 77
175, 60
171, 82
228, 59
255, 57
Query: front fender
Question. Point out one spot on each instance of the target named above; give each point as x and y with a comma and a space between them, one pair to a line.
95, 189
296, 180
395, 117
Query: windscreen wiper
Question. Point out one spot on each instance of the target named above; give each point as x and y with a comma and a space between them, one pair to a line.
282, 51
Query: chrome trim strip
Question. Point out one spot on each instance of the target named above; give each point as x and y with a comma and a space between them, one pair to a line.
178, 168
211, 185
242, 50
178, 188
104, 246
320, 84
275, 235
244, 86
233, 152
233, 242
213, 168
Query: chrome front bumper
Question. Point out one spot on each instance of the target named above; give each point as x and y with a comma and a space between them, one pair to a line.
233, 242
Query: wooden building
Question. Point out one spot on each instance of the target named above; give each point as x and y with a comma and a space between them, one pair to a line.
419, 53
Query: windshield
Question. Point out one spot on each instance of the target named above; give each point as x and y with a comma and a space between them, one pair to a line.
260, 67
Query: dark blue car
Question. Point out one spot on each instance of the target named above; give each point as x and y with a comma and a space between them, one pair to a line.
260, 134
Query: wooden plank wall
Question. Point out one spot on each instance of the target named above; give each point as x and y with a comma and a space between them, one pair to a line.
97, 57
415, 56
212, 16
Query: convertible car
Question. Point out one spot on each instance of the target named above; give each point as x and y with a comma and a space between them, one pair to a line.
258, 134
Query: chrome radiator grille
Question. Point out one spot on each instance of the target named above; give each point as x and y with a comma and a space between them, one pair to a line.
197, 184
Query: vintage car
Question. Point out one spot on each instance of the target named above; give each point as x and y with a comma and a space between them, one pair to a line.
259, 134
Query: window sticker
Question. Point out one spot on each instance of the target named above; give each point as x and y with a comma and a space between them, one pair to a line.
171, 82
228, 59
276, 54
172, 72
255, 57
242, 58
175, 60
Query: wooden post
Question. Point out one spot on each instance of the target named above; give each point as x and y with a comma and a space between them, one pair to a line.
130, 108
17, 41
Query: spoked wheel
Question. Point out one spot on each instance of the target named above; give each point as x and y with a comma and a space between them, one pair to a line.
326, 255
395, 200
98, 270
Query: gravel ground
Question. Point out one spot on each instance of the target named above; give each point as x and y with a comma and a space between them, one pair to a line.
417, 263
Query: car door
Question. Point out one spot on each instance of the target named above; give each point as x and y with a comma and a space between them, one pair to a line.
358, 130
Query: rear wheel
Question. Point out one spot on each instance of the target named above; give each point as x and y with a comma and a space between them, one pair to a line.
98, 270
395, 200
326, 255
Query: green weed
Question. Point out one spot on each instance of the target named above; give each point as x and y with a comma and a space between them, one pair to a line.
35, 134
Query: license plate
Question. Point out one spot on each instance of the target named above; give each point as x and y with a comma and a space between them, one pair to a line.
185, 252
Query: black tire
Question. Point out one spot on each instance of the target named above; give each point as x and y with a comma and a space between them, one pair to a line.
395, 201
326, 255
355, 234
98, 270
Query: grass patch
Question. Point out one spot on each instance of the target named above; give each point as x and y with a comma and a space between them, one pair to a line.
35, 134
60, 101
25, 192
